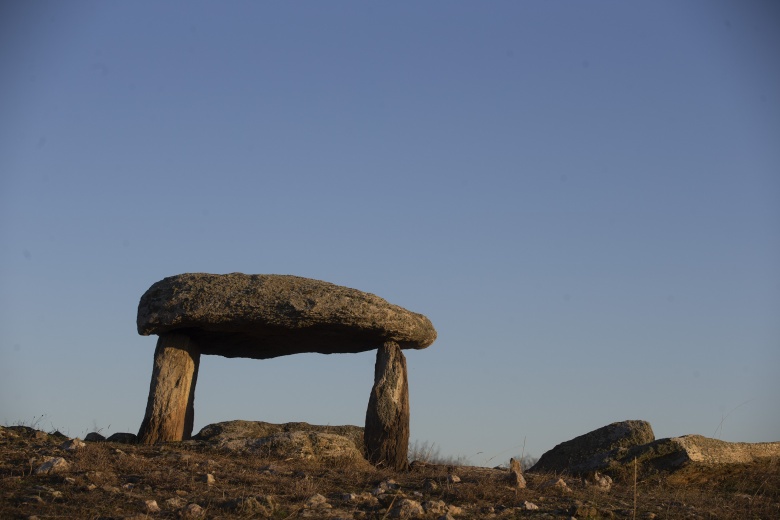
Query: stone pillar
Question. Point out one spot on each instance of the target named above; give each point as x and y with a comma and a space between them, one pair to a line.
387, 418
170, 409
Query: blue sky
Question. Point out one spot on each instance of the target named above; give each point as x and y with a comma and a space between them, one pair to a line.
584, 197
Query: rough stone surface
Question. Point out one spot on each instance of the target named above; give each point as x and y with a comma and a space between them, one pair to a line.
243, 433
406, 508
529, 506
192, 511
303, 445
589, 452
52, 465
387, 416
675, 452
170, 406
265, 316
614, 448
151, 506
123, 438
516, 478
598, 481
72, 445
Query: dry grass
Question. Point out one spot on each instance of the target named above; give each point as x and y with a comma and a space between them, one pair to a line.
108, 480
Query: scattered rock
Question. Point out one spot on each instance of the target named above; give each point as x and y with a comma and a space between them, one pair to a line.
208, 478
529, 506
192, 511
151, 506
516, 478
94, 437
453, 479
406, 508
72, 445
52, 465
589, 452
558, 484
385, 486
429, 485
434, 507
598, 481
175, 502
123, 438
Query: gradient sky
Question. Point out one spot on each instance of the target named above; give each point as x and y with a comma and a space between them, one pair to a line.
584, 197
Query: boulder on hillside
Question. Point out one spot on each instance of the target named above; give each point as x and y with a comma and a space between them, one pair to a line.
592, 451
676, 452
298, 439
123, 437
264, 316
617, 447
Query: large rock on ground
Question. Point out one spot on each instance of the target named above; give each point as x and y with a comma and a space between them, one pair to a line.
618, 447
232, 430
591, 451
298, 440
387, 416
676, 452
265, 316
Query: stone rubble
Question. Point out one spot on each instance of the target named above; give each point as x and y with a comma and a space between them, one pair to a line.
72, 445
52, 465
516, 478
428, 493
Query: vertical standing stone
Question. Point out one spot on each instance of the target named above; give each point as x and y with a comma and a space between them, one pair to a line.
170, 408
387, 417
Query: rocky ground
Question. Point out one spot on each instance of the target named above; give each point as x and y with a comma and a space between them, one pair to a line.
46, 475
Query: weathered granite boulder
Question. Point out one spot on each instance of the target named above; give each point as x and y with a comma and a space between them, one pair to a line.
676, 452
387, 416
264, 316
616, 448
123, 437
589, 452
231, 434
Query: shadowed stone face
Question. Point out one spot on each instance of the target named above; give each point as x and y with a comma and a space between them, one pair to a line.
265, 316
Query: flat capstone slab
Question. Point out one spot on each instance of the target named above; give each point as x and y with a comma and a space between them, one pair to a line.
265, 316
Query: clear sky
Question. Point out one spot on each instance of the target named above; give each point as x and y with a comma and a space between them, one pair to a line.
583, 197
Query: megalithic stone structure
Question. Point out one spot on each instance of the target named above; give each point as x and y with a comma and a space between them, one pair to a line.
387, 418
170, 407
266, 316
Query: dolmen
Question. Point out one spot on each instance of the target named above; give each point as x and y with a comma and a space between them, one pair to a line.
266, 316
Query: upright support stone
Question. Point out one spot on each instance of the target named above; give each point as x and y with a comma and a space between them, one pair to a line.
170, 407
387, 418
